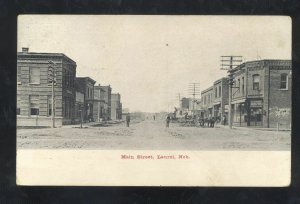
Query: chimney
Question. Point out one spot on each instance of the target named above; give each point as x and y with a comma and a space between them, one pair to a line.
25, 50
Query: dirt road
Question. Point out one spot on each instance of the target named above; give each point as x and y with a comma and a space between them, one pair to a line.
153, 135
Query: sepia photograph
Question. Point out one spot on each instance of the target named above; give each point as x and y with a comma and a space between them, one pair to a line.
123, 100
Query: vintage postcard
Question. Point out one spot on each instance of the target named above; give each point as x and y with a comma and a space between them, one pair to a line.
125, 100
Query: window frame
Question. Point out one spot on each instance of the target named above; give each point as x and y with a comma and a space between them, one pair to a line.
30, 75
243, 86
255, 83
19, 75
286, 82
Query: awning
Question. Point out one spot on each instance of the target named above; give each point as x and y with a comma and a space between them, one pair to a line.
217, 103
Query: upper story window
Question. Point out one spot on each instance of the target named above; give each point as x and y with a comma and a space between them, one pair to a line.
243, 85
67, 78
34, 75
216, 92
19, 75
204, 99
284, 81
219, 91
256, 80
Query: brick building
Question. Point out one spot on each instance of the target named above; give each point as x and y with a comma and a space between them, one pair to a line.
107, 102
85, 85
116, 107
34, 91
99, 103
262, 94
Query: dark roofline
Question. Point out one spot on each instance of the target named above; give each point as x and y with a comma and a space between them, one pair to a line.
263, 60
45, 54
219, 80
207, 89
99, 87
87, 78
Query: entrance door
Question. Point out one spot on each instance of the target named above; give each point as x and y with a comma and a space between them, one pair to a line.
256, 116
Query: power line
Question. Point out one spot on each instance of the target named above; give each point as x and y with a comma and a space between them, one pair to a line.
228, 63
194, 89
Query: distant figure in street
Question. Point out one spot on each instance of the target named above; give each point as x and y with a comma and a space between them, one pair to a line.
127, 120
212, 122
224, 120
168, 121
154, 117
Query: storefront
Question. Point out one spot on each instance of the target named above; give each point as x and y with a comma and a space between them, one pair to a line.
240, 114
248, 113
217, 110
256, 112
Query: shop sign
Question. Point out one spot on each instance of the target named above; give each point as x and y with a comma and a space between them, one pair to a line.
257, 103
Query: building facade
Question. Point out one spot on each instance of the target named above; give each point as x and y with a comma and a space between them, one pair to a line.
107, 102
261, 96
220, 99
116, 107
99, 103
34, 92
85, 85
207, 99
79, 107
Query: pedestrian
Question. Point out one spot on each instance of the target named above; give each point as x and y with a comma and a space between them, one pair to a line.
212, 122
209, 121
168, 121
224, 120
127, 120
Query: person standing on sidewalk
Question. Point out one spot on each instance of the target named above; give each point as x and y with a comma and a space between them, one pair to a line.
167, 121
127, 120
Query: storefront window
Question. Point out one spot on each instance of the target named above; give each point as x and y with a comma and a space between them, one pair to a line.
34, 105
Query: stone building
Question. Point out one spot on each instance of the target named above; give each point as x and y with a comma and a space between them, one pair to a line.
107, 102
85, 85
261, 95
34, 91
116, 107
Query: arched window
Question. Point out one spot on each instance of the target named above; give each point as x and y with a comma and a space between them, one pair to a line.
255, 81
283, 81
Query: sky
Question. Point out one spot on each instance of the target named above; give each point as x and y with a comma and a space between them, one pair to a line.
149, 60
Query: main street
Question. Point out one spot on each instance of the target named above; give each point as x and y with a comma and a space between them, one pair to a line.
153, 135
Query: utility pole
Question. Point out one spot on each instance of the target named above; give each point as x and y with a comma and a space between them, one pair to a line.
194, 89
52, 80
227, 63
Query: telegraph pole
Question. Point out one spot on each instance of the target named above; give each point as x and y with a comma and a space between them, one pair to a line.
52, 80
194, 89
227, 63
